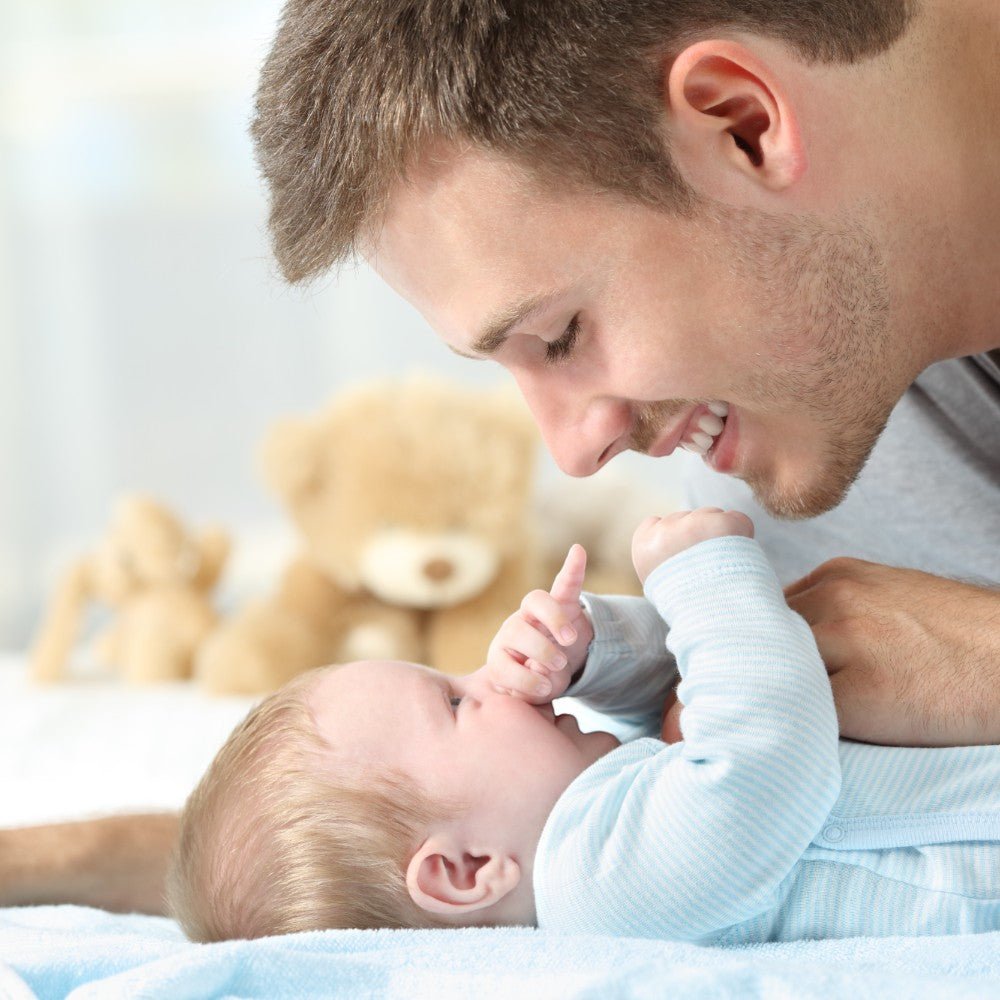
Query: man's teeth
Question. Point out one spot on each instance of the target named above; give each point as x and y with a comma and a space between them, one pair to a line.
706, 429
710, 424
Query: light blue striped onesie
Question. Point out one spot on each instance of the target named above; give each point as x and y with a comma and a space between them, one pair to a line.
761, 825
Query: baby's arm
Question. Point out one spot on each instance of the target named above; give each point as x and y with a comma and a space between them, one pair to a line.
613, 658
628, 672
683, 841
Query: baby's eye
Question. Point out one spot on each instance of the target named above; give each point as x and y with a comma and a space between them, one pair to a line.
456, 700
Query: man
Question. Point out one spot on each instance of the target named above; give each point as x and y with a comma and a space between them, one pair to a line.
766, 232
643, 209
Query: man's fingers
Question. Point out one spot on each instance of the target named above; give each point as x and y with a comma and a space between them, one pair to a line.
839, 568
834, 649
800, 586
569, 580
811, 603
830, 602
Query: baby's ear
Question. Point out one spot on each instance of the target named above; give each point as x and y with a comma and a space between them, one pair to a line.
447, 880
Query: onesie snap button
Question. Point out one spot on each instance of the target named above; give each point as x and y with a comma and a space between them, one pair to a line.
833, 834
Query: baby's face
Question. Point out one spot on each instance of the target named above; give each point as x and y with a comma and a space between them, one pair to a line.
508, 761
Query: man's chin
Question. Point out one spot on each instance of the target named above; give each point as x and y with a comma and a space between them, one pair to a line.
798, 499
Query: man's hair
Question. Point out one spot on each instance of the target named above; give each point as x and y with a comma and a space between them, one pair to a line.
274, 839
353, 91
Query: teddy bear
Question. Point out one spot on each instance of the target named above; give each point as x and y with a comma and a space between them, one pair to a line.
412, 501
157, 576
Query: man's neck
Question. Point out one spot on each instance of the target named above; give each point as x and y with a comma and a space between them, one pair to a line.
966, 57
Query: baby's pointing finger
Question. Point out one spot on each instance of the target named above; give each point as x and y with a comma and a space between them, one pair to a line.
569, 580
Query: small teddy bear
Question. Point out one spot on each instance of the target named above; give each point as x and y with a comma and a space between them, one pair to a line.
157, 576
412, 500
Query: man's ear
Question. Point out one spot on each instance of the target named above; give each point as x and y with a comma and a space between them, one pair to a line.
731, 120
445, 879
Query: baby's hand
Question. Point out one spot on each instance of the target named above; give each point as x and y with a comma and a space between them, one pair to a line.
659, 538
538, 648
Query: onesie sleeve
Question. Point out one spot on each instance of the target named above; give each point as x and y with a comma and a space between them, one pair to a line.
682, 841
629, 670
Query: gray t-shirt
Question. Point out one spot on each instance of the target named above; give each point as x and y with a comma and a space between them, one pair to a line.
928, 498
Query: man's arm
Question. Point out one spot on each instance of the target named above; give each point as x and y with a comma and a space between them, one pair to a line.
914, 659
118, 863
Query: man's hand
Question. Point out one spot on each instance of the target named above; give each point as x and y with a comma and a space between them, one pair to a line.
914, 659
537, 649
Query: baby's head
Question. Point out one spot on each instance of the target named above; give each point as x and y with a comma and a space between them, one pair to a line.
375, 794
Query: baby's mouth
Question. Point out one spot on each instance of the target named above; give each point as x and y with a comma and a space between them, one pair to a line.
569, 720
548, 711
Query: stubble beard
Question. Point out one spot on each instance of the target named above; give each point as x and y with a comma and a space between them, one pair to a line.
829, 290
829, 358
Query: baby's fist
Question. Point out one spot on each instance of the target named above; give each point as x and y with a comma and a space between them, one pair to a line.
659, 538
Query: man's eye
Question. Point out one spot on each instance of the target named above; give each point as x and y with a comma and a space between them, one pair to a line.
559, 349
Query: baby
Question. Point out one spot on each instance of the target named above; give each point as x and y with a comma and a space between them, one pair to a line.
386, 794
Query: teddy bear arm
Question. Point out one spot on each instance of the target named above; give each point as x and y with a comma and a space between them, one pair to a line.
61, 625
213, 547
455, 644
308, 593
296, 628
161, 634
457, 638
259, 649
371, 630
107, 646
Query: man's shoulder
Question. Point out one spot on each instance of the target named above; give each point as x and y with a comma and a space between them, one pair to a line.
990, 362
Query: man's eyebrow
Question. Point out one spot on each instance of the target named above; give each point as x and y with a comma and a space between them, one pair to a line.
497, 329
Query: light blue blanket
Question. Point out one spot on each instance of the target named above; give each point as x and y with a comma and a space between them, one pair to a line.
60, 951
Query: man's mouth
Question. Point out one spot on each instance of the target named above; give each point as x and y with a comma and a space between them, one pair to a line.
702, 428
705, 428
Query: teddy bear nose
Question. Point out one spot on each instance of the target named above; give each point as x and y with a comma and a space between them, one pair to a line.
438, 570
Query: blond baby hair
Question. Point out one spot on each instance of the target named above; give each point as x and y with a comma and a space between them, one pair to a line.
275, 840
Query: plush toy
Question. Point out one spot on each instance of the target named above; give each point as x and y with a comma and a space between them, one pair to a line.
412, 499
157, 577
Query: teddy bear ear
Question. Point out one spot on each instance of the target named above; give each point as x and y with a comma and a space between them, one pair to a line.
291, 457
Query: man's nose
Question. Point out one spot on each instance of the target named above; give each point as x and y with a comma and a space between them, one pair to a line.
582, 434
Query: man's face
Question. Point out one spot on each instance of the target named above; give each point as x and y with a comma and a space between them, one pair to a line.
620, 323
504, 761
